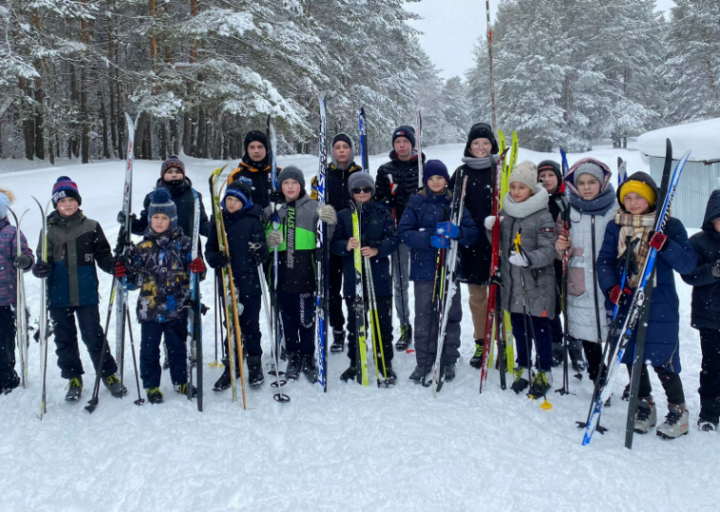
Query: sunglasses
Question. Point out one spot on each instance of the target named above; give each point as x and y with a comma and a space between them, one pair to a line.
362, 190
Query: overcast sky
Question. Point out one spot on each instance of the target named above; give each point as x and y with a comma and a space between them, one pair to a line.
451, 29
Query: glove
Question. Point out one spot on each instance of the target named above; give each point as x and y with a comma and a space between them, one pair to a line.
619, 295
120, 270
41, 269
439, 242
518, 259
22, 262
276, 197
327, 214
121, 218
489, 222
275, 238
219, 261
197, 266
448, 229
659, 242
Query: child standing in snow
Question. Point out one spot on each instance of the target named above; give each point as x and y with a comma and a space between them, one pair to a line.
379, 242
160, 267
426, 229
296, 244
706, 311
10, 264
74, 244
633, 230
256, 166
528, 287
592, 202
247, 248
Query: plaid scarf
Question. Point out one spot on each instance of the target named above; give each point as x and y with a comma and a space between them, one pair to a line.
637, 230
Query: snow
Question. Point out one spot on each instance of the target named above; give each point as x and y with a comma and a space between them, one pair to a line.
352, 449
702, 138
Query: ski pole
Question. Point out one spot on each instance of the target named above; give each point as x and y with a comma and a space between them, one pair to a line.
93, 403
140, 399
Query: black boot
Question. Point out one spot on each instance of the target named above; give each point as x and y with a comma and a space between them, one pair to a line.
390, 375
449, 371
309, 368
420, 373
75, 386
10, 384
338, 343
350, 374
292, 371
255, 372
405, 337
224, 381
477, 358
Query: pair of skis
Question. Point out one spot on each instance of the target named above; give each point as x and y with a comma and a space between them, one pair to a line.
21, 313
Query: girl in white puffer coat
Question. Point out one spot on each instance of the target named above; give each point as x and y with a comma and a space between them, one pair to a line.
593, 205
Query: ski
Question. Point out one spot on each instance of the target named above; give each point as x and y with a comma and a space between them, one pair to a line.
359, 304
21, 317
194, 340
622, 171
364, 150
565, 221
418, 143
619, 336
322, 261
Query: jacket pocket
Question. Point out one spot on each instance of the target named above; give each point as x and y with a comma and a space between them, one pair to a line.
576, 278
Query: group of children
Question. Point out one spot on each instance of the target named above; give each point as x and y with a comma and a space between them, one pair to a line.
605, 234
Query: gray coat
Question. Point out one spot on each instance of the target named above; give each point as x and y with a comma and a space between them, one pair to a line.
538, 241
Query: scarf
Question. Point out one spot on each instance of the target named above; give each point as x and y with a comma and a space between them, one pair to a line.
478, 163
598, 206
636, 228
535, 203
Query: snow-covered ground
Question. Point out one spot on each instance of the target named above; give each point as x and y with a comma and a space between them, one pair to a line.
353, 449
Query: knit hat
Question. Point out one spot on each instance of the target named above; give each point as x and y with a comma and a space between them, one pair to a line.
590, 168
525, 173
6, 199
65, 187
360, 180
434, 168
161, 202
171, 162
343, 137
240, 189
481, 131
255, 136
642, 184
291, 172
404, 131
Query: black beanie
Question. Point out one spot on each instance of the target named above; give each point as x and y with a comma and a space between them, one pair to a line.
481, 131
255, 136
404, 131
343, 137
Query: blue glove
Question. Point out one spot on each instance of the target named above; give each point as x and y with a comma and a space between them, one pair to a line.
439, 242
447, 229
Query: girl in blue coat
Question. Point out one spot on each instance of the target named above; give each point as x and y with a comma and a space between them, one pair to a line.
633, 230
425, 229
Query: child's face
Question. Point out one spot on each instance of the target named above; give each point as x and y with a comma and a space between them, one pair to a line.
362, 194
519, 191
256, 151
403, 148
480, 148
291, 190
173, 174
588, 186
437, 184
716, 224
342, 152
160, 223
636, 204
549, 181
67, 206
233, 204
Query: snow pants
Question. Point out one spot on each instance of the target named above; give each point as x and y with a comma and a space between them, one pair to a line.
427, 327
175, 333
66, 340
335, 278
384, 305
8, 375
249, 328
524, 340
401, 282
671, 383
297, 314
710, 375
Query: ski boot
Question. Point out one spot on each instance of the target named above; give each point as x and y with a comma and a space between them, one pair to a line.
224, 381
705, 425
255, 373
405, 337
449, 371
183, 389
520, 383
292, 371
390, 375
541, 383
309, 368
420, 373
338, 344
350, 374
577, 357
74, 387
9, 385
676, 422
558, 352
154, 396
645, 415
116, 388
477, 359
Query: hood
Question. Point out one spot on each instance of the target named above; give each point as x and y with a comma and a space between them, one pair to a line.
175, 191
251, 166
712, 212
570, 177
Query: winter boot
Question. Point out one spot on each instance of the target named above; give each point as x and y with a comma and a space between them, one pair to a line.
578, 359
224, 381
420, 373
540, 384
74, 388
154, 396
405, 337
10, 384
645, 415
449, 371
520, 383
255, 372
292, 371
349, 374
117, 389
705, 425
676, 422
183, 389
391, 376
558, 353
477, 359
338, 344
309, 368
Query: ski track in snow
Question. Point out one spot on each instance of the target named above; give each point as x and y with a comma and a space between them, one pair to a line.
352, 449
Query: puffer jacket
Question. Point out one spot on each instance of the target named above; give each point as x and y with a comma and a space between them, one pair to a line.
396, 181
587, 319
159, 267
705, 312
8, 272
418, 223
537, 235
259, 173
